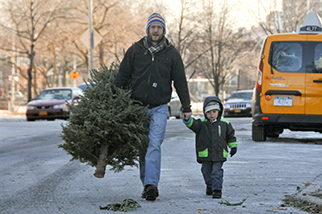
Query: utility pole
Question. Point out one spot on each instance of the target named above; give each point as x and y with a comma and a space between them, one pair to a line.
91, 37
13, 91
75, 70
13, 75
238, 80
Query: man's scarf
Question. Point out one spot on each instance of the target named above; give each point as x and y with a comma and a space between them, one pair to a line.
156, 48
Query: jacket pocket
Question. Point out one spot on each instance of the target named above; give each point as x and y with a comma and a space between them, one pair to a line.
225, 153
203, 154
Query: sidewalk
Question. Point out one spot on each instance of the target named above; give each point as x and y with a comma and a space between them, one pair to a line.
6, 116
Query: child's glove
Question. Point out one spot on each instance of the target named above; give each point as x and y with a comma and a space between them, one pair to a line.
186, 121
233, 151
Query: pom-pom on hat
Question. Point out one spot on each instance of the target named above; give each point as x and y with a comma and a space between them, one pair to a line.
212, 105
155, 17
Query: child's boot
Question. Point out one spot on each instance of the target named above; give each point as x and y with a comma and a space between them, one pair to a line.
216, 194
208, 191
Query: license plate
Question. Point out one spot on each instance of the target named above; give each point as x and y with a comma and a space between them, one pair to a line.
42, 113
237, 111
283, 101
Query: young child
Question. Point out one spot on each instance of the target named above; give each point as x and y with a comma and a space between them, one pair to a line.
213, 137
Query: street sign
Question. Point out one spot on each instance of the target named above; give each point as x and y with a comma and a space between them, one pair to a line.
74, 75
85, 38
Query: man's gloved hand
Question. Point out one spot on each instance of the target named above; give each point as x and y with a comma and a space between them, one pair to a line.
233, 151
186, 116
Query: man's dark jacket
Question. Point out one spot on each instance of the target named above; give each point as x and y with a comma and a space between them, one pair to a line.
151, 75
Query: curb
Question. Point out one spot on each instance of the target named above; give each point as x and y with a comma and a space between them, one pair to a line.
309, 198
12, 119
310, 194
6, 116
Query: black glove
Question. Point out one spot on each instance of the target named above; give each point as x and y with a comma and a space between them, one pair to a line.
233, 151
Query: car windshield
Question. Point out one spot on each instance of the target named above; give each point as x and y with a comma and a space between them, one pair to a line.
242, 95
83, 86
59, 94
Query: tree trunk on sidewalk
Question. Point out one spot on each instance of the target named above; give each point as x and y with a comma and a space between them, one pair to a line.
101, 161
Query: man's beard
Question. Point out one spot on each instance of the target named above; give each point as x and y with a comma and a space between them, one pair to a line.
156, 41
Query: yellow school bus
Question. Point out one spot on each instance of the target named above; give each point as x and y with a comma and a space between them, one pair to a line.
288, 91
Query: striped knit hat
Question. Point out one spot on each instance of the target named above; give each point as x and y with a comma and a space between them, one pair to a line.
155, 17
212, 105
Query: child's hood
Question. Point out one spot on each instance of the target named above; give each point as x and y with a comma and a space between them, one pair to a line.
213, 98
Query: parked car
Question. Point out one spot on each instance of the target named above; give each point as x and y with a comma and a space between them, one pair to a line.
288, 91
239, 104
53, 103
83, 86
174, 106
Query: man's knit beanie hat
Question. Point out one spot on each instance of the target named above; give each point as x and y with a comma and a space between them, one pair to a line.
155, 17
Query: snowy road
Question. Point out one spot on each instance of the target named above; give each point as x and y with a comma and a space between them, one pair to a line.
37, 177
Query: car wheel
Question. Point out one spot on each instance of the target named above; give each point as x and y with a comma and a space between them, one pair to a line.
169, 113
258, 133
50, 119
272, 135
28, 119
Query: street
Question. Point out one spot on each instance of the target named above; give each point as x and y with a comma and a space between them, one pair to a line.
38, 177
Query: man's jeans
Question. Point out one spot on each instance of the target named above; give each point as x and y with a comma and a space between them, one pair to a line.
213, 174
150, 166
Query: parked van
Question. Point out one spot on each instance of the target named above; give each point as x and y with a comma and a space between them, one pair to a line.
288, 92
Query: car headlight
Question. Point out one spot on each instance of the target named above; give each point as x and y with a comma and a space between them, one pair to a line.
63, 106
30, 107
226, 106
248, 105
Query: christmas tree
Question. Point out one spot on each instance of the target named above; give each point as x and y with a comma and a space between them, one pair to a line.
107, 127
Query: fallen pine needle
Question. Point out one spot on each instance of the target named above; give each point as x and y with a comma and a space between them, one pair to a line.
127, 204
232, 204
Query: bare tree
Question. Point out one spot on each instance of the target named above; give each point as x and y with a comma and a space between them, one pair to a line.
203, 37
274, 16
27, 20
42, 26
121, 28
184, 27
224, 48
118, 22
184, 33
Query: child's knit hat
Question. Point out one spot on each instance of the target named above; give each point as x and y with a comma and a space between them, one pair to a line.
212, 105
155, 17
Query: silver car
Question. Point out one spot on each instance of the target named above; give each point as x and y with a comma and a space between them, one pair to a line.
239, 104
174, 106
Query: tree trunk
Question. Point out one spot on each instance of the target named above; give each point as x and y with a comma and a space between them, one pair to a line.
29, 83
101, 162
101, 52
30, 69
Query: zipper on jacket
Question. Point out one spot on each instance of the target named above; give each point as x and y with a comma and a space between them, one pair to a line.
146, 94
152, 60
219, 131
168, 47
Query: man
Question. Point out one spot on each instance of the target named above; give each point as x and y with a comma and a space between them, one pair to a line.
151, 65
